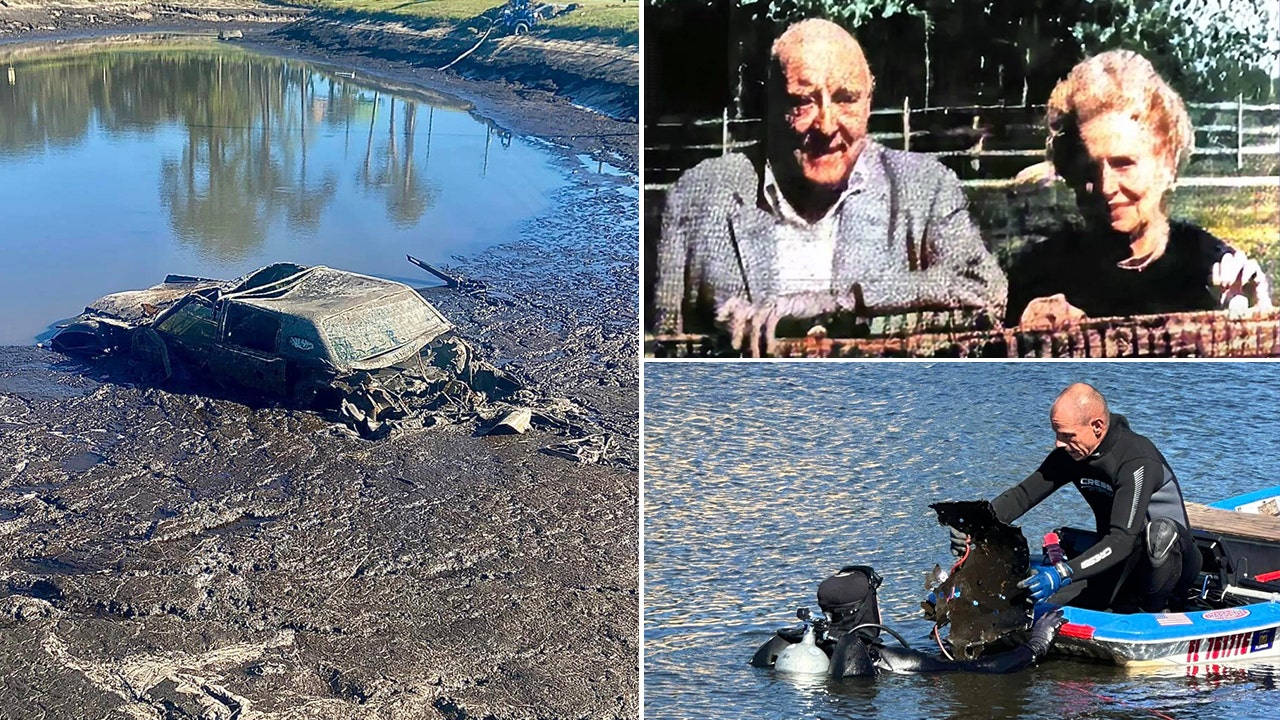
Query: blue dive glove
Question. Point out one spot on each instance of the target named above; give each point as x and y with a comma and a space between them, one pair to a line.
1047, 580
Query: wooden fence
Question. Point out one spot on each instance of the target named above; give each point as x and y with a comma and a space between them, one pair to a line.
1237, 144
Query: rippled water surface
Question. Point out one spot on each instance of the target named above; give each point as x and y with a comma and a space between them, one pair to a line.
762, 479
120, 166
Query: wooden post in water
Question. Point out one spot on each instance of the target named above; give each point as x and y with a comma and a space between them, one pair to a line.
906, 122
431, 118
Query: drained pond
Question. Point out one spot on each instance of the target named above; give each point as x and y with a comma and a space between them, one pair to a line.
172, 549
119, 165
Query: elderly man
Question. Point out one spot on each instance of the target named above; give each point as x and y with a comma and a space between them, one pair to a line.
832, 221
1145, 558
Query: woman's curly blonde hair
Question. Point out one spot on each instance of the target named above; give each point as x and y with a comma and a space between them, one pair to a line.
1116, 81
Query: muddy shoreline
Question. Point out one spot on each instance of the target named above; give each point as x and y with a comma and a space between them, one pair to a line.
176, 554
581, 94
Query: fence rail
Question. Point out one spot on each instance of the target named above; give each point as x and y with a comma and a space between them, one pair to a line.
671, 155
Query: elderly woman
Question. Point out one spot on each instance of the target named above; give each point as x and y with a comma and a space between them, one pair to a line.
1118, 135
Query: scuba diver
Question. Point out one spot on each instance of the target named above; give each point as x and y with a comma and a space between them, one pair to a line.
849, 639
1145, 558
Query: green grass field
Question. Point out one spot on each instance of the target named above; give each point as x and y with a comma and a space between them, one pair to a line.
1246, 218
611, 17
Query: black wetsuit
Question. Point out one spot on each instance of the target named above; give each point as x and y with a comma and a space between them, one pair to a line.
1127, 483
1082, 265
855, 655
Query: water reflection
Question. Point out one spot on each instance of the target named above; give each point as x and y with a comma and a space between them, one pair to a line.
251, 159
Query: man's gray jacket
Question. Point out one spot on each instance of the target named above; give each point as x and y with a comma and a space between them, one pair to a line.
718, 242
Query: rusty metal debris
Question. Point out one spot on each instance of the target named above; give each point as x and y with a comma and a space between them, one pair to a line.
459, 283
980, 599
374, 352
516, 422
587, 450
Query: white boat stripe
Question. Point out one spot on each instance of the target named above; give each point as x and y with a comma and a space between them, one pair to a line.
1137, 492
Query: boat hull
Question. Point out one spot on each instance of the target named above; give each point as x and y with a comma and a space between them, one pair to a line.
1246, 633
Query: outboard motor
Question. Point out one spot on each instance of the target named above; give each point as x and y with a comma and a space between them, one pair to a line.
805, 656
848, 599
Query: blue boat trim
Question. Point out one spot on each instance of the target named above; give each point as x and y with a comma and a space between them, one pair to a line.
1233, 502
1146, 628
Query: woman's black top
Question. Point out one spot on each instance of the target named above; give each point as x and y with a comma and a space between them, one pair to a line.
1082, 265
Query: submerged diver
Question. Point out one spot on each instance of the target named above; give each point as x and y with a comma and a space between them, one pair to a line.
851, 637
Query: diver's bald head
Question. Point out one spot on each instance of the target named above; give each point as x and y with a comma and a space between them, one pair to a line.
1082, 402
1080, 420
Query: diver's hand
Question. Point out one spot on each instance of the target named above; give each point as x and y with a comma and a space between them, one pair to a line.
1047, 581
959, 542
1241, 283
1050, 313
1044, 631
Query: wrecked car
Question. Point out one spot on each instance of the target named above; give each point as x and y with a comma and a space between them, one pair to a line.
312, 335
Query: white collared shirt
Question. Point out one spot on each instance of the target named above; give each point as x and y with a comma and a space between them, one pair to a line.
805, 251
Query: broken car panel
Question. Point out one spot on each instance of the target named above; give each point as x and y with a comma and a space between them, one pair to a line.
373, 352
316, 320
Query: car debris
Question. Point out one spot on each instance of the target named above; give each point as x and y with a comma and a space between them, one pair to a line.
467, 286
588, 449
372, 352
515, 422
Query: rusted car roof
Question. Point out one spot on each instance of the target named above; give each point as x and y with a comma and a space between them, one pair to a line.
344, 320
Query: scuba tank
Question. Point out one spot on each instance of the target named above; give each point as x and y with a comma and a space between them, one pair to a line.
803, 657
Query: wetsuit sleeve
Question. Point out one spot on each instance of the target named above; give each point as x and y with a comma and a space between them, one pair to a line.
1004, 662
1135, 481
1017, 500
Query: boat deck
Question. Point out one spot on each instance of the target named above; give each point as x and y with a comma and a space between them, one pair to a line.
1264, 528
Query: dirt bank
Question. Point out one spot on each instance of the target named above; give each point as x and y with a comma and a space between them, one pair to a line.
570, 88
169, 554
